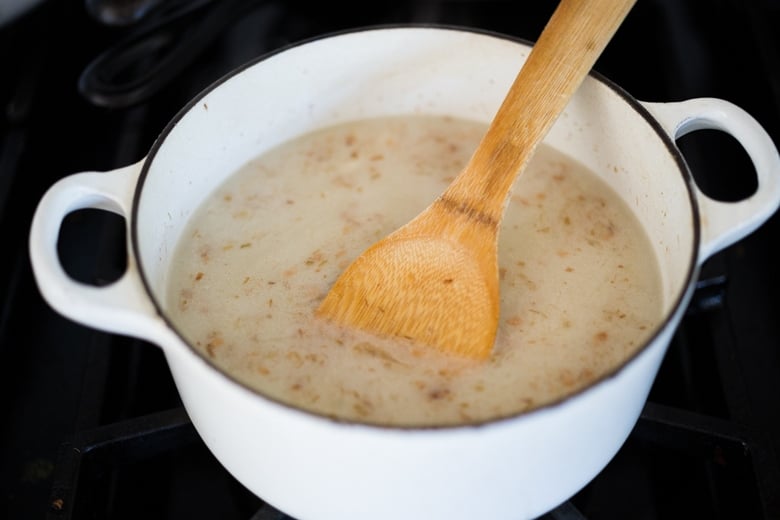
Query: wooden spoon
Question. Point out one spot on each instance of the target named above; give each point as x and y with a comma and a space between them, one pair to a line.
435, 280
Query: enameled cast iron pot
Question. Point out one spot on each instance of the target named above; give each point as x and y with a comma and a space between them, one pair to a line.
312, 467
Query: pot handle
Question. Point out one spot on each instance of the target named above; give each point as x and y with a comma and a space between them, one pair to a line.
121, 307
724, 223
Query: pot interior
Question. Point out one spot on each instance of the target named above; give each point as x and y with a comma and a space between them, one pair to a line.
395, 71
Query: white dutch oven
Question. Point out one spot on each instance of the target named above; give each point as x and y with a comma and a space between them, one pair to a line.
312, 467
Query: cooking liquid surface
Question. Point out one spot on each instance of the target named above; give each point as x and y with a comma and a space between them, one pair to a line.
580, 288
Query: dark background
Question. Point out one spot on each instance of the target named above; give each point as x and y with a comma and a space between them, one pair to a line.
92, 425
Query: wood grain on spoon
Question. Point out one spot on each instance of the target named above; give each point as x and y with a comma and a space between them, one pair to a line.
435, 280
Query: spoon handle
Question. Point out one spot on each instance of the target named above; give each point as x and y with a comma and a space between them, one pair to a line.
564, 54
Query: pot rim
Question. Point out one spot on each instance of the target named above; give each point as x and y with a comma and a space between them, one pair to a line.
667, 320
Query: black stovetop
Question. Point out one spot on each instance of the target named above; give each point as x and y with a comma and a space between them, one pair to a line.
93, 426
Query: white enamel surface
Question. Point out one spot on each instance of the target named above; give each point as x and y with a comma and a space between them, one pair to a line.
123, 307
723, 223
313, 468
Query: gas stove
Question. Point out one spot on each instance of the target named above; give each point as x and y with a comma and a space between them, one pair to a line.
94, 427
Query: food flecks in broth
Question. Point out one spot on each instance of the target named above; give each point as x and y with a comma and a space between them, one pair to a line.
579, 282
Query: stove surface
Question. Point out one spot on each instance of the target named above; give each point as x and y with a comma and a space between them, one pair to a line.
94, 427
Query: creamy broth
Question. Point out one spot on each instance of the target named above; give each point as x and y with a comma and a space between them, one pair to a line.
580, 287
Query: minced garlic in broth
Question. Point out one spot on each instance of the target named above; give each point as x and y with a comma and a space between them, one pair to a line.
579, 287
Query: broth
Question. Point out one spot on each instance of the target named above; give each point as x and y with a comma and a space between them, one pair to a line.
580, 287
